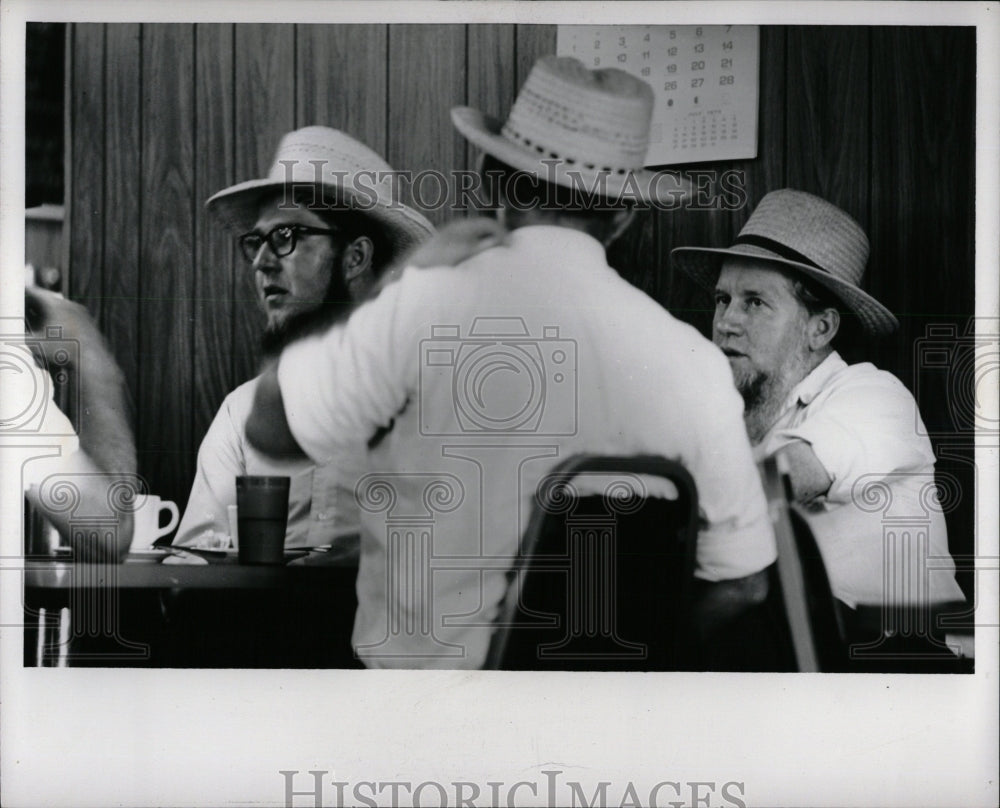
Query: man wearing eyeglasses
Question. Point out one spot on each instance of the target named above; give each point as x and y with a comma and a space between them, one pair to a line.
316, 234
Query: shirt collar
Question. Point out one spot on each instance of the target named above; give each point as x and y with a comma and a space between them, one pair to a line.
806, 390
559, 241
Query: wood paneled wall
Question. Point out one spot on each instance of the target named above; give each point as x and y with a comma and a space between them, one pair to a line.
879, 121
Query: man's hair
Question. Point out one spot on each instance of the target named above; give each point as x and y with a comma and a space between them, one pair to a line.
813, 296
525, 191
816, 299
350, 223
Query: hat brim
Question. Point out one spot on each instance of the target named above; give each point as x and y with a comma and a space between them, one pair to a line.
238, 207
703, 264
658, 187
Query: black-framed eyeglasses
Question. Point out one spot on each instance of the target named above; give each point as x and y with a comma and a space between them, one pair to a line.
280, 239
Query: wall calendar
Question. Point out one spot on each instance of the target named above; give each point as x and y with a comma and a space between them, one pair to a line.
705, 78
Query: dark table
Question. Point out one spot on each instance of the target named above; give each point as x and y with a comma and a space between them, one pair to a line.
145, 613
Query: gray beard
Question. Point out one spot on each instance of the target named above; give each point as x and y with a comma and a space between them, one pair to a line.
761, 402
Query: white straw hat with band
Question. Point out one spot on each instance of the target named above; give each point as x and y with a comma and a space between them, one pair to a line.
579, 128
343, 173
806, 234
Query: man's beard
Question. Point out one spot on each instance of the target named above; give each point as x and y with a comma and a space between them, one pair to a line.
336, 306
754, 390
763, 396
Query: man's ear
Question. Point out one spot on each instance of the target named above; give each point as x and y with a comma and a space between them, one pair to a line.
823, 327
356, 265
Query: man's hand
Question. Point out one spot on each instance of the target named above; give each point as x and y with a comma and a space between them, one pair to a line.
457, 242
451, 245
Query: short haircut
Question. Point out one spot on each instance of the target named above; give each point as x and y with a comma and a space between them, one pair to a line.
350, 222
526, 191
815, 297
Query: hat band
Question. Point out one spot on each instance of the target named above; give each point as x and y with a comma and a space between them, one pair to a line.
782, 250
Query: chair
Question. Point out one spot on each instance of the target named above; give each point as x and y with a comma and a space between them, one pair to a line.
603, 582
803, 598
823, 633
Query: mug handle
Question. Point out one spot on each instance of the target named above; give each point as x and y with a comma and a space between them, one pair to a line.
175, 517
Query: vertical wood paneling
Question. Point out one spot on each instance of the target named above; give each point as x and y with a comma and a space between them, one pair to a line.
215, 267
633, 255
880, 121
87, 168
533, 42
166, 259
923, 161
766, 171
923, 231
426, 79
490, 79
828, 120
828, 115
120, 308
341, 74
265, 110
68, 194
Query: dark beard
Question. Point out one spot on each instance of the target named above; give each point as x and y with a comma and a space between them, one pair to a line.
275, 338
336, 306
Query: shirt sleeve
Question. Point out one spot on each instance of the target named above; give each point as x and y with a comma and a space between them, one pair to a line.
220, 461
867, 426
341, 387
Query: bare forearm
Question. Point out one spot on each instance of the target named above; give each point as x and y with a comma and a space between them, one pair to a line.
267, 427
808, 476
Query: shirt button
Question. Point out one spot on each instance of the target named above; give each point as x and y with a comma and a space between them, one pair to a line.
322, 516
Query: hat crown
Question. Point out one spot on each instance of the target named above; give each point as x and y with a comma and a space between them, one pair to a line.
808, 226
598, 119
326, 156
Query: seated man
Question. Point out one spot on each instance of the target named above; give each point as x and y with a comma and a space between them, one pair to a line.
483, 376
94, 473
313, 247
844, 432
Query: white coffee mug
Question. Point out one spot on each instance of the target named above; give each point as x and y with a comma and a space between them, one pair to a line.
147, 520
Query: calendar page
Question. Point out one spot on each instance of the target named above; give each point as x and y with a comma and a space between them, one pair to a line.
705, 78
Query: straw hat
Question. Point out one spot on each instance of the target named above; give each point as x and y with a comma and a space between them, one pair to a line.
809, 235
343, 171
574, 127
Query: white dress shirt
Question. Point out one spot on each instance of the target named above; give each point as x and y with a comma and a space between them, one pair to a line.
491, 373
880, 528
321, 504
